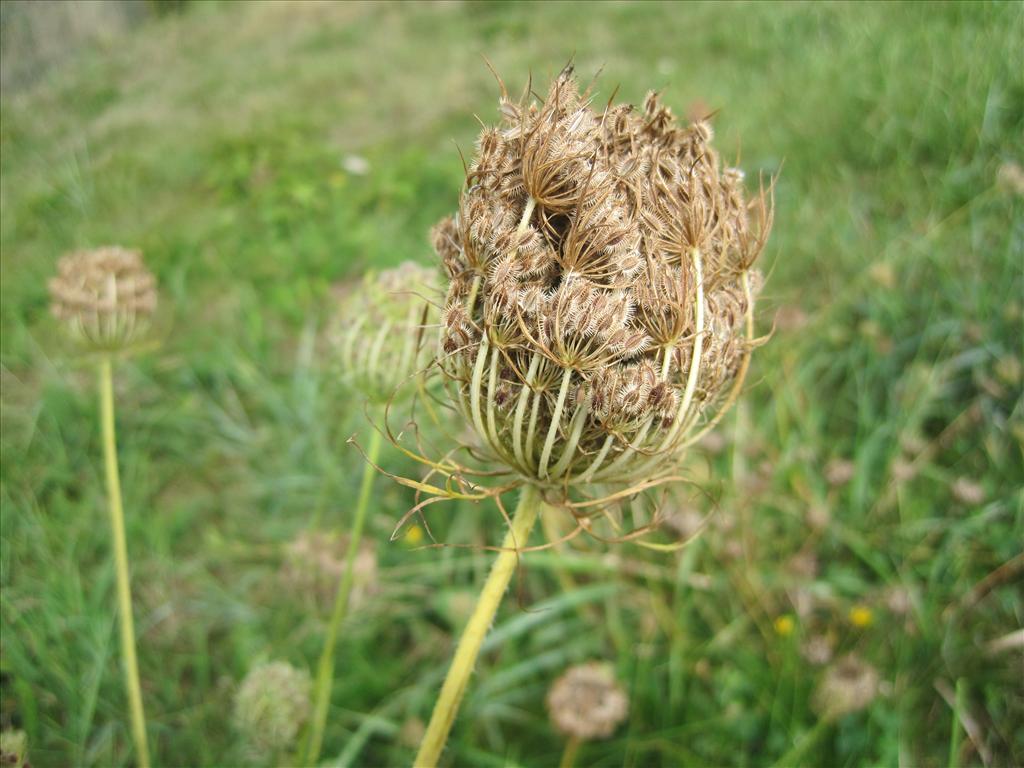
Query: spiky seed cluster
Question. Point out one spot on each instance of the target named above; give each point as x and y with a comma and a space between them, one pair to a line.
587, 703
271, 705
377, 331
848, 686
104, 296
601, 286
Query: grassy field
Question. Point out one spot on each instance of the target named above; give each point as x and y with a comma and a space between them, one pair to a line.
866, 497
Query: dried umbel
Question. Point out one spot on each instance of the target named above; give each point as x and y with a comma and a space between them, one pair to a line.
599, 316
13, 749
848, 686
271, 705
377, 332
106, 297
314, 561
587, 703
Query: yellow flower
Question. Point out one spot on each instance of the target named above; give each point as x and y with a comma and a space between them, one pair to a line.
861, 616
784, 625
414, 535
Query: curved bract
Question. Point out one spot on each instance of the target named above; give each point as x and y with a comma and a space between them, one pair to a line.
599, 310
377, 331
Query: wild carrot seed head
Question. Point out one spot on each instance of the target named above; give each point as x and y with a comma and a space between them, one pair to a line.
378, 328
601, 289
587, 703
271, 705
848, 686
105, 297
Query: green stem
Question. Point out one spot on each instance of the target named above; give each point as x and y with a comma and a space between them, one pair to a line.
466, 653
956, 734
325, 668
795, 755
572, 747
124, 594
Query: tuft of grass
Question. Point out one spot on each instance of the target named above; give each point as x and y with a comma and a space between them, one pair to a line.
216, 139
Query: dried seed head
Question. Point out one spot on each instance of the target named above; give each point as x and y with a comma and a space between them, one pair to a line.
271, 705
14, 749
105, 297
848, 686
377, 332
587, 703
602, 260
314, 561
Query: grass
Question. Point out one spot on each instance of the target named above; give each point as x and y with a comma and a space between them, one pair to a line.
214, 140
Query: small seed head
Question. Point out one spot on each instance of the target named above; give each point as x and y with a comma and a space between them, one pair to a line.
848, 686
378, 330
105, 297
271, 705
587, 703
14, 749
314, 561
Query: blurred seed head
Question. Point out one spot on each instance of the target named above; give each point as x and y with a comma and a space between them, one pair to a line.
587, 703
271, 705
14, 749
839, 472
1011, 177
818, 649
105, 297
314, 561
968, 491
683, 520
377, 332
899, 600
848, 686
601, 286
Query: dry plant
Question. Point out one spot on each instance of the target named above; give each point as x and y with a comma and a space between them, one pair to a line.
849, 685
377, 337
598, 320
105, 298
271, 705
586, 703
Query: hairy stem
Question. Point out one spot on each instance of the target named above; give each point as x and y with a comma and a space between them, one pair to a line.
124, 595
325, 668
466, 653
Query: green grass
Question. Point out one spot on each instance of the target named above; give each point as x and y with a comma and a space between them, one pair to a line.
214, 141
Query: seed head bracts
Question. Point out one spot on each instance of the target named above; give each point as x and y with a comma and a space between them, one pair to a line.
599, 314
105, 296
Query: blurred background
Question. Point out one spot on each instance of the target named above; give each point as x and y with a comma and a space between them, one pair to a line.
865, 498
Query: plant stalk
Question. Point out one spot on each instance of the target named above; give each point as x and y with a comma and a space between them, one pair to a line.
466, 653
572, 747
325, 668
120, 547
